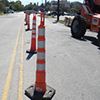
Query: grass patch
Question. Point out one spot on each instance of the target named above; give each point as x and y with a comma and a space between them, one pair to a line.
2, 14
16, 11
61, 21
52, 16
45, 16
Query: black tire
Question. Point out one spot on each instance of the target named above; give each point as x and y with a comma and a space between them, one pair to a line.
99, 36
99, 41
78, 26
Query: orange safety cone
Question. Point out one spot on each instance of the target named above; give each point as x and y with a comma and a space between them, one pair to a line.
40, 91
33, 37
28, 22
40, 84
26, 18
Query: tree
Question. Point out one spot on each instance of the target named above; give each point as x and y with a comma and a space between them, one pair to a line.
29, 7
34, 6
5, 2
19, 2
64, 9
2, 7
11, 5
48, 7
16, 6
42, 5
77, 8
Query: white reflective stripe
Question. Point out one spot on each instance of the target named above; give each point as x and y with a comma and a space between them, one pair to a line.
41, 32
40, 67
86, 11
41, 44
34, 26
33, 36
27, 18
40, 55
34, 21
33, 31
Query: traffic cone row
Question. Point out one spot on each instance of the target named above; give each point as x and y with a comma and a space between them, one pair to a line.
40, 91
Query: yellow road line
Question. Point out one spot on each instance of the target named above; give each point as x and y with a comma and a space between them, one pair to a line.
20, 93
7, 85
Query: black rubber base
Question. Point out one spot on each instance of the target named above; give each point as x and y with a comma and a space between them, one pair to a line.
30, 51
33, 95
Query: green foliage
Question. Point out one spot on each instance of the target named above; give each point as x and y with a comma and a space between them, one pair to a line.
2, 7
53, 16
16, 6
61, 21
19, 2
64, 9
5, 2
30, 6
48, 7
42, 5
74, 7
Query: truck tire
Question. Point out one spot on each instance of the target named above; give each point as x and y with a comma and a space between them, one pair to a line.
78, 26
99, 41
99, 36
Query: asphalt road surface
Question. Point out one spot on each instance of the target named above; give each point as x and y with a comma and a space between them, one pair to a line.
72, 65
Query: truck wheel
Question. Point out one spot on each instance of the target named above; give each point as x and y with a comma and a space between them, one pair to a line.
99, 36
78, 26
99, 41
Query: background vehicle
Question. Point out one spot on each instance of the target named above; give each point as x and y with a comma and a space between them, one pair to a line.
10, 11
89, 19
52, 13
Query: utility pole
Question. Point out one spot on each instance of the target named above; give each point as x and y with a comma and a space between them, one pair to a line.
58, 12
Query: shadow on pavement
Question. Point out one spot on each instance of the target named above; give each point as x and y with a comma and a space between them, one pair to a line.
55, 22
25, 24
28, 29
29, 56
80, 39
68, 25
93, 40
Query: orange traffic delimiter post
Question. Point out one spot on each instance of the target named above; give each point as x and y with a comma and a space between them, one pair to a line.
28, 22
33, 36
40, 84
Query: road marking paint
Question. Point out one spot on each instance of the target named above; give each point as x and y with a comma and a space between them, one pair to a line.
7, 85
20, 93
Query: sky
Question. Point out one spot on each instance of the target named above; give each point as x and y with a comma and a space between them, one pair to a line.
25, 2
